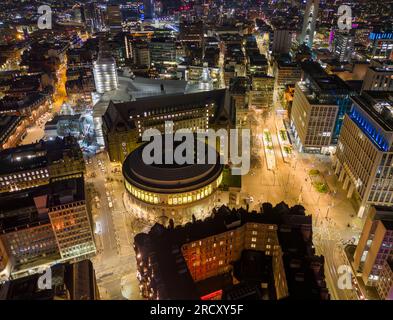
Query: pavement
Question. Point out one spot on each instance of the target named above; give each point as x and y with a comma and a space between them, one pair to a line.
33, 135
334, 215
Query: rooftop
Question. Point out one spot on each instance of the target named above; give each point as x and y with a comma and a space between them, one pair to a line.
37, 155
74, 281
169, 178
120, 116
137, 88
164, 244
378, 105
7, 122
20, 209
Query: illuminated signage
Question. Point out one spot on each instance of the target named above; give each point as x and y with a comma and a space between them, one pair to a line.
213, 296
381, 36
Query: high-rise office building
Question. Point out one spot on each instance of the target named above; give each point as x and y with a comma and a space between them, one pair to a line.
381, 45
138, 52
239, 94
319, 106
309, 23
114, 18
92, 17
281, 41
365, 150
148, 9
162, 50
43, 225
385, 283
312, 120
287, 72
344, 45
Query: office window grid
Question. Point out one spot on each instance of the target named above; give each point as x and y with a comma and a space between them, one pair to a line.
358, 154
212, 256
385, 283
320, 126
72, 228
27, 245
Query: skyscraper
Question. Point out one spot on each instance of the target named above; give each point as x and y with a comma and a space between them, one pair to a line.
148, 9
343, 45
310, 19
114, 18
92, 16
281, 41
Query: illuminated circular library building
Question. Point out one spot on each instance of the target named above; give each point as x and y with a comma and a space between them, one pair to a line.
157, 192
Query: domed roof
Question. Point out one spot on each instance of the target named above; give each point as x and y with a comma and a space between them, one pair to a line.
169, 178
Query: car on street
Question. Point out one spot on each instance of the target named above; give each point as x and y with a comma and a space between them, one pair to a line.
98, 229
